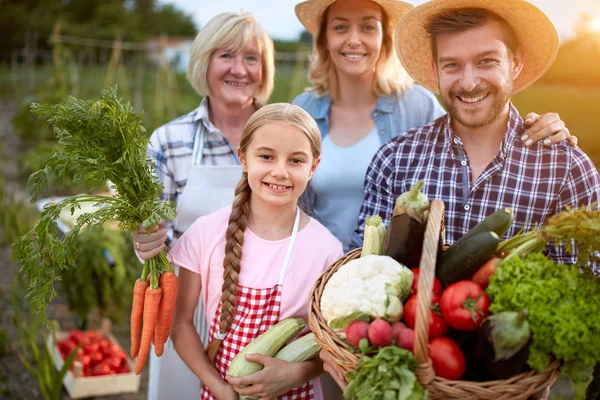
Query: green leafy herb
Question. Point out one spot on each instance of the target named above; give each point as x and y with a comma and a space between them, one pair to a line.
578, 229
99, 140
563, 306
387, 375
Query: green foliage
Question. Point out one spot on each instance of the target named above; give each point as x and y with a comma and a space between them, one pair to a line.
37, 359
563, 306
16, 217
99, 19
99, 140
106, 269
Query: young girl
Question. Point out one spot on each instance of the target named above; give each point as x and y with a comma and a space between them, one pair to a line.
255, 262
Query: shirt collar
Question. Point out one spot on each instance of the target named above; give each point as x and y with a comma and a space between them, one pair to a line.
514, 128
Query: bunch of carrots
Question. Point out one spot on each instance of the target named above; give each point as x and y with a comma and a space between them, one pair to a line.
100, 140
152, 312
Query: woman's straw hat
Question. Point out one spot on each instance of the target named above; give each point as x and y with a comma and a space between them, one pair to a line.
536, 34
310, 12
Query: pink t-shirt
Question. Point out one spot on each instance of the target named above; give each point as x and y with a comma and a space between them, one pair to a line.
201, 249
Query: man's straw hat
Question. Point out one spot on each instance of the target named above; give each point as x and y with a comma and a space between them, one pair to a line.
310, 12
536, 34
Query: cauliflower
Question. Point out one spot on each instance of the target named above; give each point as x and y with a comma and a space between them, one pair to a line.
374, 285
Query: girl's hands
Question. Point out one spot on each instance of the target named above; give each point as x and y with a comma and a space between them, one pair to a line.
549, 128
148, 246
330, 366
276, 378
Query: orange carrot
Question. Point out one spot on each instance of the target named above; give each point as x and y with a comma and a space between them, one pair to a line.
166, 310
137, 309
151, 303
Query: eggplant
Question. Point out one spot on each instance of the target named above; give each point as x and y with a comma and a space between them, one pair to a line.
593, 390
405, 234
506, 340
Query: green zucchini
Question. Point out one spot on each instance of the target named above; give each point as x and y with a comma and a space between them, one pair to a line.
498, 222
269, 343
464, 257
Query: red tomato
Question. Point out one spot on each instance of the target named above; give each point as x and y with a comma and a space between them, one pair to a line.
91, 347
69, 346
113, 362
446, 358
101, 369
76, 336
123, 369
85, 360
437, 326
437, 285
482, 276
96, 357
464, 305
112, 349
95, 336
104, 343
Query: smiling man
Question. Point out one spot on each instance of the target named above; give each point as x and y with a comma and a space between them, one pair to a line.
473, 158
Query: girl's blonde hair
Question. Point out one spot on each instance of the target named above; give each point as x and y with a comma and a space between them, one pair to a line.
276, 113
237, 30
390, 76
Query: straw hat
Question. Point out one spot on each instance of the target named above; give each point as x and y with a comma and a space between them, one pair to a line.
536, 34
310, 12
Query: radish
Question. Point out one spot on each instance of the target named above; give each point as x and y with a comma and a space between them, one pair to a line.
398, 327
406, 339
356, 331
380, 333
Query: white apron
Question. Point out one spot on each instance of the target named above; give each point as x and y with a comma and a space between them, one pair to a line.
208, 189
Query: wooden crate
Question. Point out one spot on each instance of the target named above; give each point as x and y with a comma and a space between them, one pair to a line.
91, 386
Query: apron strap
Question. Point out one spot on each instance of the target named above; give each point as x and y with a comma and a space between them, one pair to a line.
288, 255
198, 150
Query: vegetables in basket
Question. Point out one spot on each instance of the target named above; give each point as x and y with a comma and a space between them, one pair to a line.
100, 140
387, 375
404, 239
373, 285
563, 307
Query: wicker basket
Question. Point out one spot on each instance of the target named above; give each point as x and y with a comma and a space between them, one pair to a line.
518, 387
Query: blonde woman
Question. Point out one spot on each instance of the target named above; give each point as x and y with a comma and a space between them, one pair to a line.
361, 98
254, 263
232, 67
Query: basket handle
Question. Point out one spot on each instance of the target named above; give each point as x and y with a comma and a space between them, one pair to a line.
425, 286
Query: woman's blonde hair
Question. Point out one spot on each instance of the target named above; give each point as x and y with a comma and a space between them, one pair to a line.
276, 113
238, 30
390, 76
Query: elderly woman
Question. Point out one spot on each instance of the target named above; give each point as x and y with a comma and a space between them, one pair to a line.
361, 98
231, 65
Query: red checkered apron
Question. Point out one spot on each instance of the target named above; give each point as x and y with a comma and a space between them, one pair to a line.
256, 311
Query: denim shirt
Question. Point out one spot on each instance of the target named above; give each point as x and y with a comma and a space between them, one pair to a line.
393, 114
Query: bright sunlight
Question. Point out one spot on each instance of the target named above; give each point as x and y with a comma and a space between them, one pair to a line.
595, 25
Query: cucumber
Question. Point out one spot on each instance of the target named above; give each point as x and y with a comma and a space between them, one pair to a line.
498, 222
464, 257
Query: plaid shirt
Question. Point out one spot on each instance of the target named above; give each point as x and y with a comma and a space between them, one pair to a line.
171, 148
536, 182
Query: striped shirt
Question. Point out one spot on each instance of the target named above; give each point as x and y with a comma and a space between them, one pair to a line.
171, 148
536, 182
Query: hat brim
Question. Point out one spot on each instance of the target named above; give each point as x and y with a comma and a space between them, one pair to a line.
310, 13
536, 34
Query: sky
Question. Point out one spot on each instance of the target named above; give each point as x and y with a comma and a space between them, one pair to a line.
278, 18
